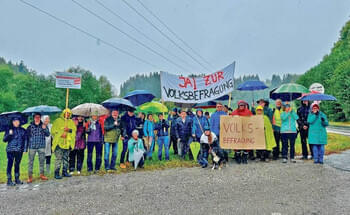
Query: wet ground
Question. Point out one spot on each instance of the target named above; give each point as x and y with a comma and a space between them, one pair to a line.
256, 188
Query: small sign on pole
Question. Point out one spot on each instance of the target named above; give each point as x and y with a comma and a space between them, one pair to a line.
68, 80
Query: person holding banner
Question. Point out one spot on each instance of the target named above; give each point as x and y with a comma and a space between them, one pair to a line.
172, 118
241, 156
288, 132
269, 138
63, 132
183, 133
148, 132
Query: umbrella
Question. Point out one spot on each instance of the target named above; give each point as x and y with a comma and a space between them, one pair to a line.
288, 92
252, 86
89, 109
195, 147
42, 109
206, 105
139, 97
138, 155
6, 117
119, 104
152, 107
318, 97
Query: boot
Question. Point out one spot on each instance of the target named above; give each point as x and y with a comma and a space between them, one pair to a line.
238, 157
57, 175
10, 183
17, 179
48, 170
43, 177
30, 179
251, 155
262, 156
245, 158
66, 174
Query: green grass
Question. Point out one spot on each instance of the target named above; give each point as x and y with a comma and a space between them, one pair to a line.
340, 123
336, 144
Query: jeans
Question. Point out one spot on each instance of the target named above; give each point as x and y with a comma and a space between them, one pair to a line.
98, 151
203, 156
173, 142
114, 155
276, 150
31, 156
76, 159
62, 156
318, 150
288, 139
150, 151
13, 157
163, 140
183, 147
125, 149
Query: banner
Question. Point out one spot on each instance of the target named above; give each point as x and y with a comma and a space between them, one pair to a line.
68, 80
239, 132
197, 90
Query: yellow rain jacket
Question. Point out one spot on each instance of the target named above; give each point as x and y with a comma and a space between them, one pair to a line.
269, 138
58, 129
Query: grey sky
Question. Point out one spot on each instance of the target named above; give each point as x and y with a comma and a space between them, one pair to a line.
264, 37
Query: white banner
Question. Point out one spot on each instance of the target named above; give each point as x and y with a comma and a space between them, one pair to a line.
68, 80
197, 90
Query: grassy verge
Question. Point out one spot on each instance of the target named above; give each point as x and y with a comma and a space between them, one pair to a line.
336, 144
340, 123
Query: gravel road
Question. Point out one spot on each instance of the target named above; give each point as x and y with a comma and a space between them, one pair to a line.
257, 188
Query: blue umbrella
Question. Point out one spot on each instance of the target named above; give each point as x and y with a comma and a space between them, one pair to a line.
42, 109
6, 118
318, 97
252, 85
118, 104
139, 97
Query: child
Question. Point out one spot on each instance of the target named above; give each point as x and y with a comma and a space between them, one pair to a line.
16, 140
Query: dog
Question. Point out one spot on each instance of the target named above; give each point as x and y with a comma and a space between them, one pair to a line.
219, 158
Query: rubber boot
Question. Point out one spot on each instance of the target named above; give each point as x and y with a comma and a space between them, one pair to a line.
245, 158
10, 183
238, 157
57, 175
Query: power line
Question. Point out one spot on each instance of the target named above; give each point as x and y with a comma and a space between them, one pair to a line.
126, 34
88, 34
140, 32
177, 36
166, 36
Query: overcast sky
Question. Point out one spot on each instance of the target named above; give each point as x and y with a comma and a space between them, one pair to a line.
264, 37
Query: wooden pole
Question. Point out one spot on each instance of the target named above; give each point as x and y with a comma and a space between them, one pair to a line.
229, 99
65, 117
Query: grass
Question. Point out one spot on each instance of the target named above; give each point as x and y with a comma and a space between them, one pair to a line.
340, 123
336, 144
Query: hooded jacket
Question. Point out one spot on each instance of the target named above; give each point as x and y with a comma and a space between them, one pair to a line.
303, 113
199, 123
17, 141
317, 129
128, 124
57, 131
215, 121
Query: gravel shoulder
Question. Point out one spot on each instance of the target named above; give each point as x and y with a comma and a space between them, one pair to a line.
256, 188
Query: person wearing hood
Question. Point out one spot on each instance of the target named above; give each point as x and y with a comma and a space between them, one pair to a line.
36, 133
267, 111
317, 122
129, 124
162, 128
288, 132
172, 119
269, 138
48, 151
199, 122
76, 156
276, 125
16, 139
241, 156
63, 132
303, 127
94, 130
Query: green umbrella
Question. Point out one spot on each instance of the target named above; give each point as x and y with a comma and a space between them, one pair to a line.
152, 107
289, 92
195, 148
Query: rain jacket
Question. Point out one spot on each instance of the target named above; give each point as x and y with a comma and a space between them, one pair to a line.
303, 113
245, 112
162, 128
183, 129
199, 123
269, 138
128, 124
112, 131
80, 136
276, 119
317, 128
215, 122
289, 122
17, 141
173, 119
58, 129
94, 135
148, 129
132, 143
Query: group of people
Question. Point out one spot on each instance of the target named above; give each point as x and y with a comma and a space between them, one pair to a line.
68, 137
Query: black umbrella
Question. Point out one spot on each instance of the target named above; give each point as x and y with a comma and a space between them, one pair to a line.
6, 118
